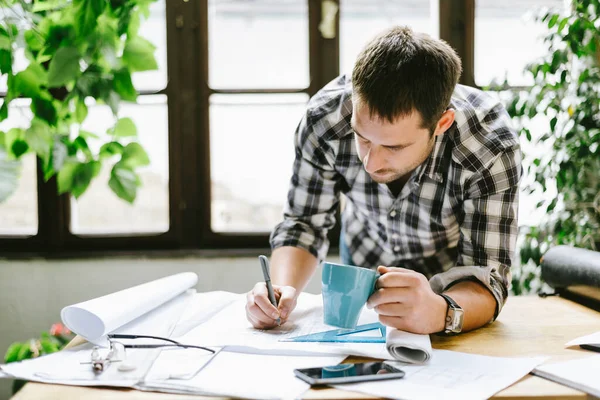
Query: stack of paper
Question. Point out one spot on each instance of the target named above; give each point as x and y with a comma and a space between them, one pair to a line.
581, 374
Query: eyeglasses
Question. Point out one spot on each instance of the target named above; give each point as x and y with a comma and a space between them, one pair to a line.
116, 351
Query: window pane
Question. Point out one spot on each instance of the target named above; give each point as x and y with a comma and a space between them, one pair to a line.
154, 29
99, 210
505, 55
19, 213
258, 44
252, 151
361, 20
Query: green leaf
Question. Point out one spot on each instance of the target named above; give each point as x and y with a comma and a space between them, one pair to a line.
82, 145
96, 167
47, 5
82, 177
19, 147
64, 66
27, 82
81, 110
65, 177
24, 352
12, 352
34, 40
553, 122
5, 42
15, 143
5, 61
48, 347
88, 135
10, 172
4, 110
110, 149
124, 182
45, 110
39, 138
139, 55
123, 128
123, 85
86, 15
112, 100
134, 156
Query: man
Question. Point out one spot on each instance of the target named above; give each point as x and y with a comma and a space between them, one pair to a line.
430, 172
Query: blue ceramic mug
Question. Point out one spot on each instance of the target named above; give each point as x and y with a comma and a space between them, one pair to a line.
345, 290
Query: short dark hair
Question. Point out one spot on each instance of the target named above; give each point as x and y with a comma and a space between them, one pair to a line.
401, 71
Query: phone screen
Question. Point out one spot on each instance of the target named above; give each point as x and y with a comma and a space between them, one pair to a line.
344, 373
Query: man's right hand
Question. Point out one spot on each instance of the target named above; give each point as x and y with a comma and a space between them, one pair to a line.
259, 310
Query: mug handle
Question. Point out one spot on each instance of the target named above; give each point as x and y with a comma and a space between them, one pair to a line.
377, 276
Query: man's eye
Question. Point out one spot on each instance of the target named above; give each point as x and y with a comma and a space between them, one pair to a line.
395, 148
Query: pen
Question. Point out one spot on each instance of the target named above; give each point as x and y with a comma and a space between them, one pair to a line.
264, 263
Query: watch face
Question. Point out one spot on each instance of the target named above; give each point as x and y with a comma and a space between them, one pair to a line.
454, 320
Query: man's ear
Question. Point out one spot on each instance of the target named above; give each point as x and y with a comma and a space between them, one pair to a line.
445, 122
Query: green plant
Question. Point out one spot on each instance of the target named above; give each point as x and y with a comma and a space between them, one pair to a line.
563, 161
78, 52
48, 342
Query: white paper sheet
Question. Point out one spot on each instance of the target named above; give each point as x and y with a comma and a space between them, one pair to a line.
581, 374
230, 327
594, 338
256, 376
450, 375
95, 318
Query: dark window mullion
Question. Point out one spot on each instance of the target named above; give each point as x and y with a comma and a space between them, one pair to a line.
457, 28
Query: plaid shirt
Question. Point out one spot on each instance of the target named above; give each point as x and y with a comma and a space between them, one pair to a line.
454, 220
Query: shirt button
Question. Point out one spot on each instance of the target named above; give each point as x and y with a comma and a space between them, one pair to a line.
393, 213
395, 236
397, 249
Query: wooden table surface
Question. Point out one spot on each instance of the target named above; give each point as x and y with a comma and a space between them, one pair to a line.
527, 326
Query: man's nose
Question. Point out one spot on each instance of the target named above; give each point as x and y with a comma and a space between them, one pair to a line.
373, 161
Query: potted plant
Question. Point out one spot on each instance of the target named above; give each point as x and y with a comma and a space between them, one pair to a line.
78, 52
562, 161
49, 342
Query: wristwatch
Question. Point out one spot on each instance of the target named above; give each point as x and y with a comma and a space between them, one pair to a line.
454, 316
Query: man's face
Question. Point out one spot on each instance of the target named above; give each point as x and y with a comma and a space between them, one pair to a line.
387, 150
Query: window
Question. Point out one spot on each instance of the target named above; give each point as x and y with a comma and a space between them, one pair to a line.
218, 116
99, 211
19, 213
253, 111
360, 21
507, 39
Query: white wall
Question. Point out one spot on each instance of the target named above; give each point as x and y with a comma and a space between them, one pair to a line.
33, 292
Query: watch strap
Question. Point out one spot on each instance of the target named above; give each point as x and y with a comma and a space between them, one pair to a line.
450, 301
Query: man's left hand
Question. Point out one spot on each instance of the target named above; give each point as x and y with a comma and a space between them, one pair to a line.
404, 300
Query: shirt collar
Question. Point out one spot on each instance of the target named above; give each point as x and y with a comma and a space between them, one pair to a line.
432, 168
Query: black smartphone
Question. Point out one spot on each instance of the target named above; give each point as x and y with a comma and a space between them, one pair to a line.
348, 373
591, 346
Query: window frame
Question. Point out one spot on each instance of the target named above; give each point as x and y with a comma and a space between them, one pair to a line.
188, 95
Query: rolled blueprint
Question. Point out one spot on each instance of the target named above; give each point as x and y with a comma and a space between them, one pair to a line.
95, 318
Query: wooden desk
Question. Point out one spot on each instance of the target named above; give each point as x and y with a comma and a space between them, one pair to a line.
527, 326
